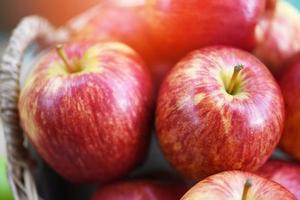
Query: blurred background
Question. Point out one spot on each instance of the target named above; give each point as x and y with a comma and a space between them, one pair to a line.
57, 11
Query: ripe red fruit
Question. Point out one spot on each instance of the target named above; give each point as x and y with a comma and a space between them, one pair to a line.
165, 30
278, 36
210, 119
285, 173
182, 26
237, 185
141, 190
88, 116
271, 4
290, 87
119, 23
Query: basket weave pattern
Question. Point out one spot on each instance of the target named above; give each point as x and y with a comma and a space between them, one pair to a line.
18, 166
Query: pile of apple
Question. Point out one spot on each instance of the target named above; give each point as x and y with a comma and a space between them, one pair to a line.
206, 67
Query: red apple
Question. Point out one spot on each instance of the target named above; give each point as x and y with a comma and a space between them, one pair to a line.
88, 116
290, 141
141, 190
182, 26
278, 36
165, 30
219, 109
124, 23
271, 5
285, 173
237, 185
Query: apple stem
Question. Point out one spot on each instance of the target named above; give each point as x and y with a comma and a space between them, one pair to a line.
235, 74
62, 54
247, 187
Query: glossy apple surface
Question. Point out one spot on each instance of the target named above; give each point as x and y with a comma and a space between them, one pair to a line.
271, 4
237, 185
285, 173
290, 87
203, 128
119, 22
165, 30
278, 35
141, 190
182, 26
88, 117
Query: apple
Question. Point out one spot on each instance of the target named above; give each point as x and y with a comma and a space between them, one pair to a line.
237, 185
285, 173
278, 36
271, 5
5, 191
289, 83
118, 22
163, 31
141, 190
219, 109
182, 26
86, 107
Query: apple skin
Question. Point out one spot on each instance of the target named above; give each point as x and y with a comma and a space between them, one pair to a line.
202, 129
141, 190
278, 36
285, 173
124, 23
182, 26
271, 5
230, 186
290, 87
165, 30
92, 125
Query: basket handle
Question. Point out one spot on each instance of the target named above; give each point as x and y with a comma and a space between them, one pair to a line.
29, 30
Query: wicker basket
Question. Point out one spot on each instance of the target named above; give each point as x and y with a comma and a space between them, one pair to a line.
30, 30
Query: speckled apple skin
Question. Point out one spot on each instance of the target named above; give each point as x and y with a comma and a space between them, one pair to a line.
166, 30
285, 173
90, 126
141, 190
290, 86
230, 186
278, 36
202, 129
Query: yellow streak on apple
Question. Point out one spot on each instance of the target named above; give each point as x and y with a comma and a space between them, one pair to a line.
117, 46
198, 98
